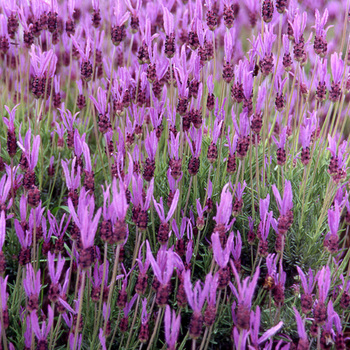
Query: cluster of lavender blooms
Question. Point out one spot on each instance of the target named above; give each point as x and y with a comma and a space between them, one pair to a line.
173, 174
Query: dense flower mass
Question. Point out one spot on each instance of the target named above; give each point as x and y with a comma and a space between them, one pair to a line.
174, 174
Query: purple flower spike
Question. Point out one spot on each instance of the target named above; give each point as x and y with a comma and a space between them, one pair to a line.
240, 336
299, 25
120, 14
4, 294
2, 229
160, 208
172, 327
284, 206
303, 339
84, 218
102, 338
168, 21
221, 256
337, 66
198, 295
55, 274
9, 122
324, 283
254, 329
245, 291
224, 209
43, 332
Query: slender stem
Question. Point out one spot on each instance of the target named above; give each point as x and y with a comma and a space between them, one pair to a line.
114, 275
133, 323
160, 314
80, 308
97, 321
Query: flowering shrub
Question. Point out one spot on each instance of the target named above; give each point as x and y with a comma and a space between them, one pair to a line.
174, 174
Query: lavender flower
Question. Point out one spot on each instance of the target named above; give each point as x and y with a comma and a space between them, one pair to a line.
87, 224
32, 286
254, 330
163, 231
196, 299
172, 327
244, 294
303, 339
285, 206
43, 332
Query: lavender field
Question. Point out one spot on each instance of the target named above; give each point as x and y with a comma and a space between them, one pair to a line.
174, 174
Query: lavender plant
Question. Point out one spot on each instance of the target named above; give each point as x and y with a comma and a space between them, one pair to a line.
174, 174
